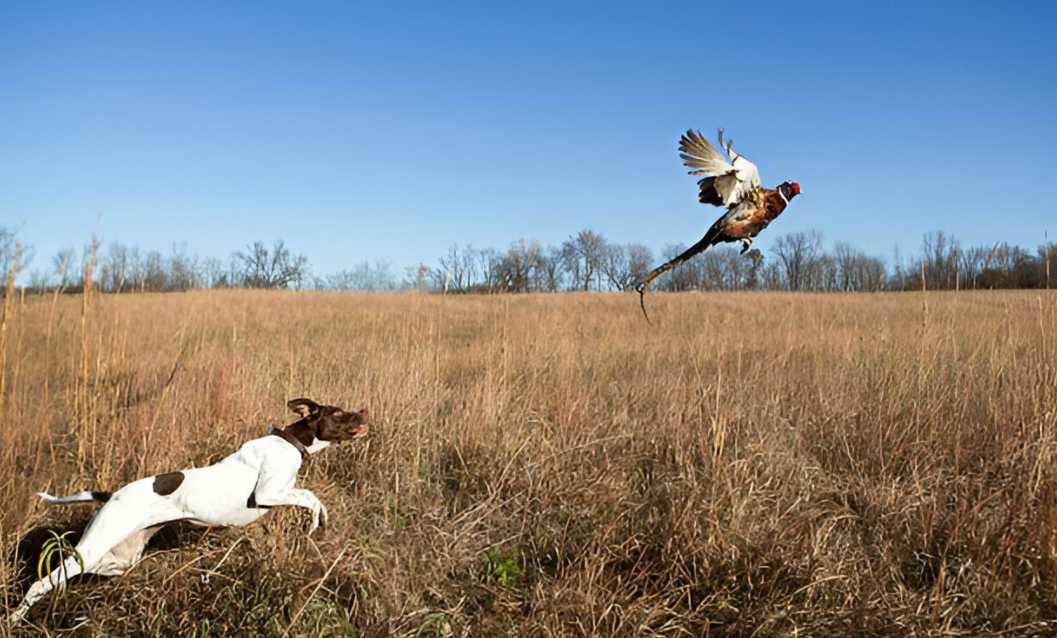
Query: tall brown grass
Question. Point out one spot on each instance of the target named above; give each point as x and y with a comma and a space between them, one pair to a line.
753, 464
5, 315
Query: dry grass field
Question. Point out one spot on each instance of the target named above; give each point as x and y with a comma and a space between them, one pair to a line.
752, 464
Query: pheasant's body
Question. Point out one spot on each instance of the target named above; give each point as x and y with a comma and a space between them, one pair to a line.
734, 184
746, 220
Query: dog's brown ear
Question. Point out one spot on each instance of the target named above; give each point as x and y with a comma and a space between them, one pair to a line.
364, 414
304, 407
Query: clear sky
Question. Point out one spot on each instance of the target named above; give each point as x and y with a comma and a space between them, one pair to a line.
390, 131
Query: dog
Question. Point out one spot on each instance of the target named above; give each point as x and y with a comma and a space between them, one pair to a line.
234, 492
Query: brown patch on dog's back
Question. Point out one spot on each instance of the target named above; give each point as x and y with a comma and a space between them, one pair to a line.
166, 484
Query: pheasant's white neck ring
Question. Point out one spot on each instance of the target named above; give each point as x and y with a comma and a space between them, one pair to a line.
782, 195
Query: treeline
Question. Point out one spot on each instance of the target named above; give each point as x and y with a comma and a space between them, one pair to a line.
796, 261
585, 261
945, 264
119, 268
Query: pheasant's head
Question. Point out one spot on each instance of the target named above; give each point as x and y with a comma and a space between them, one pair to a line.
789, 190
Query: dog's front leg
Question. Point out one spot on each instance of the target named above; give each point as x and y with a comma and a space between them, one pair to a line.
299, 498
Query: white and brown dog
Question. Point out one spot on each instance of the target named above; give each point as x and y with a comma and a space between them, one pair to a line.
236, 491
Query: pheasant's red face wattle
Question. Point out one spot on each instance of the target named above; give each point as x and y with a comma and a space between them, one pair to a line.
796, 188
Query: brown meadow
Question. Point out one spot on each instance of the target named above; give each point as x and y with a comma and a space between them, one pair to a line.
761, 464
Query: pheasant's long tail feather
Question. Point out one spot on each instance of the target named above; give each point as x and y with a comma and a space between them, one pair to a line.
706, 241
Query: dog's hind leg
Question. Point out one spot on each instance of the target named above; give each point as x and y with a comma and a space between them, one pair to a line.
122, 525
57, 578
99, 555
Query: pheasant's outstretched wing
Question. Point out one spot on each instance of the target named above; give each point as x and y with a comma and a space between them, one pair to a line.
725, 183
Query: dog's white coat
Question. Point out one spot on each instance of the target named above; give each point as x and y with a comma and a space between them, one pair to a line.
215, 495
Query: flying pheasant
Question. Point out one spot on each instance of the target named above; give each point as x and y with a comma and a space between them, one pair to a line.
736, 185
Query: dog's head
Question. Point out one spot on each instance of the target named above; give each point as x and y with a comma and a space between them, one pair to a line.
329, 422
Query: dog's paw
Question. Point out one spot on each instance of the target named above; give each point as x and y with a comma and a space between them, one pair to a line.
319, 520
16, 616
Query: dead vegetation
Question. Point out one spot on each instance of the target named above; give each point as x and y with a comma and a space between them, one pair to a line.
753, 464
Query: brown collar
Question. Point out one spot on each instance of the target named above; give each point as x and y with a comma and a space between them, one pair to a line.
292, 440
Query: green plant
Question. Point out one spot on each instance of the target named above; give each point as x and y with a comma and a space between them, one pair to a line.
503, 566
57, 545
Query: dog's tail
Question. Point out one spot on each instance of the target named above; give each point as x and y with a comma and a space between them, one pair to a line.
79, 497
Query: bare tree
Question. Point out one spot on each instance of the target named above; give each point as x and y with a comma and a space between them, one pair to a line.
182, 268
797, 253
12, 254
550, 269
821, 273
846, 257
417, 278
211, 273
154, 277
752, 277
516, 269
711, 269
870, 274
456, 269
114, 268
571, 264
277, 268
1048, 256
625, 265
376, 277
971, 262
488, 261
583, 253
62, 267
940, 257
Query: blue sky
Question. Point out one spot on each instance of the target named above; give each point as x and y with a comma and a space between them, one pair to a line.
390, 131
